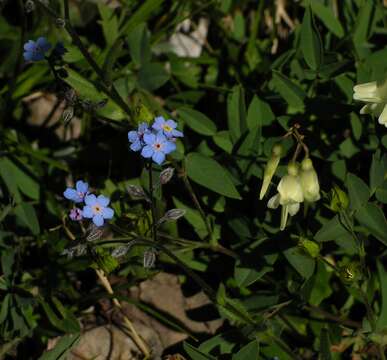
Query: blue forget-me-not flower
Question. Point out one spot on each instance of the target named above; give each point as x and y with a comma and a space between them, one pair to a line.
78, 194
156, 147
35, 50
168, 127
136, 137
97, 209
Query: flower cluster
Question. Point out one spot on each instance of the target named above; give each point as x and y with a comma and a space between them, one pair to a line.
95, 208
298, 185
36, 50
375, 95
155, 141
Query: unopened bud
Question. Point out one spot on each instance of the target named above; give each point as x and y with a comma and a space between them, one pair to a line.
172, 215
94, 232
120, 251
67, 115
309, 181
60, 23
166, 175
29, 6
149, 258
339, 199
270, 168
135, 191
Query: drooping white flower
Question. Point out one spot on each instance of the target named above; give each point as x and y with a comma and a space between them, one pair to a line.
375, 94
309, 181
270, 169
289, 196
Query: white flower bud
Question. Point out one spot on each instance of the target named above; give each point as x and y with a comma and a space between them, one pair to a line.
309, 181
270, 169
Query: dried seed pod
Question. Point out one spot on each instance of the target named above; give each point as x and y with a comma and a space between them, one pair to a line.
172, 215
67, 115
120, 250
94, 232
166, 175
135, 191
149, 258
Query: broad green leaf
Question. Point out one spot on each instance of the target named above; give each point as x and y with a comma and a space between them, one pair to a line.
236, 113
325, 14
152, 76
27, 215
109, 23
303, 263
310, 41
5, 304
197, 121
259, 113
17, 180
363, 27
195, 354
359, 193
248, 352
247, 276
141, 15
377, 171
321, 288
209, 173
83, 86
291, 92
381, 323
139, 47
372, 217
61, 348
325, 345
222, 139
331, 230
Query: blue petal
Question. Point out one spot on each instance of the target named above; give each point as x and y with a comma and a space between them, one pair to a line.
82, 186
43, 43
136, 146
107, 213
169, 146
90, 199
158, 157
29, 46
132, 136
87, 212
147, 151
103, 200
149, 138
160, 137
171, 123
27, 56
177, 133
143, 127
159, 122
71, 194
37, 56
98, 220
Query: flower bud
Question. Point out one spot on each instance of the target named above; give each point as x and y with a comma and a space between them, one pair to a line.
339, 199
172, 215
149, 258
166, 175
309, 181
270, 168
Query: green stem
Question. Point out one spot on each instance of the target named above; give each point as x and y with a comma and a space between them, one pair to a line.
152, 202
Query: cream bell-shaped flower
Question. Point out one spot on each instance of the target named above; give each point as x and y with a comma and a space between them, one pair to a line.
375, 94
309, 181
289, 195
270, 169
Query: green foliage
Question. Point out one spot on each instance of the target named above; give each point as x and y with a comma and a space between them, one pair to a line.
238, 77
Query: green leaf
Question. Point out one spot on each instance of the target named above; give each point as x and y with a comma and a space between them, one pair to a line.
321, 288
259, 113
359, 193
195, 354
61, 348
363, 27
325, 345
27, 215
372, 217
291, 92
209, 173
5, 304
197, 121
331, 230
109, 23
303, 263
17, 180
381, 323
325, 14
310, 41
139, 47
377, 171
141, 15
247, 276
223, 140
236, 113
152, 76
248, 352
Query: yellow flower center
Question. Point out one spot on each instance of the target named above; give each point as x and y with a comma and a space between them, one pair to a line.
167, 128
97, 209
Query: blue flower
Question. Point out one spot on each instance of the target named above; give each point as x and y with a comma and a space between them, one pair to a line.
76, 214
35, 50
136, 137
59, 49
168, 127
96, 209
156, 147
78, 194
